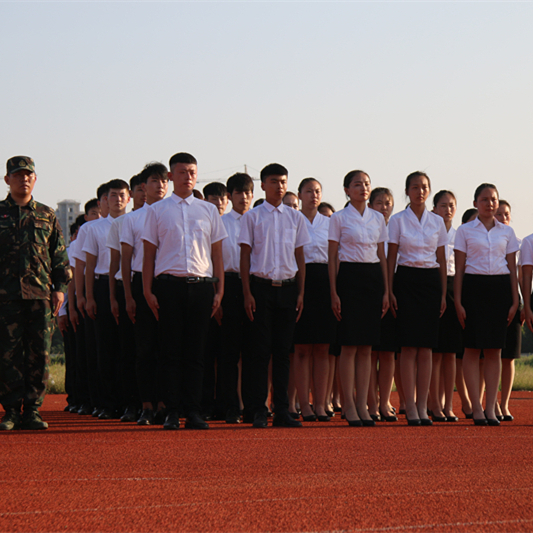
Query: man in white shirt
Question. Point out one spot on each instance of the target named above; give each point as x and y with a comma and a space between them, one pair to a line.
272, 268
85, 328
154, 182
183, 286
98, 301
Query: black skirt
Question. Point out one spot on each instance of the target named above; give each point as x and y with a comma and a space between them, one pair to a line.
513, 339
388, 335
450, 331
317, 323
486, 300
418, 294
360, 289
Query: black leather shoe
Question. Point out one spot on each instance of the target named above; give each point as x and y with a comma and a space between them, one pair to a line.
11, 420
508, 418
331, 414
385, 418
426, 422
146, 418
452, 418
286, 421
130, 415
376, 418
480, 421
74, 409
499, 417
470, 416
414, 422
369, 423
96, 412
85, 410
66, 409
310, 418
322, 418
107, 414
233, 418
493, 422
296, 416
195, 421
355, 423
172, 421
260, 420
436, 418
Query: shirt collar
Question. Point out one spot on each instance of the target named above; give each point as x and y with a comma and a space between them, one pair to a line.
354, 211
11, 203
235, 215
411, 213
179, 199
271, 208
476, 222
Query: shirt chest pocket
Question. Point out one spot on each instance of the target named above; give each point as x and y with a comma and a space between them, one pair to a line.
289, 236
41, 231
199, 228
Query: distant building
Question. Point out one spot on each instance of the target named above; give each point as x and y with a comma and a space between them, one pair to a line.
67, 211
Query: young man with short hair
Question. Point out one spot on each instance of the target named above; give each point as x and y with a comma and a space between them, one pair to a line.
98, 300
183, 286
137, 193
272, 269
216, 193
235, 325
34, 274
154, 181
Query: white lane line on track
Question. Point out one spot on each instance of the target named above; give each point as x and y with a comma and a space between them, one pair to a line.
273, 500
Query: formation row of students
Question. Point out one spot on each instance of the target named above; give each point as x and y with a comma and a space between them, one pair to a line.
153, 289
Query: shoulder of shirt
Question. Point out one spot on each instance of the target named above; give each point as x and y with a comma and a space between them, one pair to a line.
434, 216
528, 239
205, 205
43, 209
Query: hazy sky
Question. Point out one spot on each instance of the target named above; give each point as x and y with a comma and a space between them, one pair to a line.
94, 91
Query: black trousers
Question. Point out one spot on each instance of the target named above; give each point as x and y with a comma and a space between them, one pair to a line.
148, 365
184, 313
107, 347
71, 367
128, 353
87, 359
211, 381
235, 341
272, 332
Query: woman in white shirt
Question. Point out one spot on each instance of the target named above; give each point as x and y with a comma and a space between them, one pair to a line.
359, 292
486, 296
381, 200
316, 328
513, 340
450, 331
417, 291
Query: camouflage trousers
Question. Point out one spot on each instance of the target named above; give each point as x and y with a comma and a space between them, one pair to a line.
25, 341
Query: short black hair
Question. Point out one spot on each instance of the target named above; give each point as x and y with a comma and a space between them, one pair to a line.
90, 204
326, 206
240, 182
102, 190
153, 169
440, 194
378, 191
197, 194
215, 189
274, 169
134, 181
259, 202
117, 183
468, 214
182, 157
80, 220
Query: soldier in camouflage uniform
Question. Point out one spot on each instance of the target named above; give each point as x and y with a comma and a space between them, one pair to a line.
34, 274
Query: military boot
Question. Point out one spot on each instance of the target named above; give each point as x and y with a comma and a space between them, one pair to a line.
11, 420
31, 419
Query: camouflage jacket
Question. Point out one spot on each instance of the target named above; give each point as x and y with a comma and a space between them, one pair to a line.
33, 257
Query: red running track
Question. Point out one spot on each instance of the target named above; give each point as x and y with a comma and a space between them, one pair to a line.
88, 475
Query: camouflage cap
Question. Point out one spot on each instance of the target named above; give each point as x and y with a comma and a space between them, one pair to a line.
20, 162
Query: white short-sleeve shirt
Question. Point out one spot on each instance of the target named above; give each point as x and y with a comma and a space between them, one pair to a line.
358, 235
486, 251
231, 251
317, 250
131, 233
183, 229
450, 256
417, 240
95, 244
113, 240
273, 233
78, 252
526, 251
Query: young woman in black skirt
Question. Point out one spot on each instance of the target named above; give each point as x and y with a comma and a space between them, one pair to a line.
513, 341
450, 331
316, 328
359, 292
379, 405
486, 296
417, 239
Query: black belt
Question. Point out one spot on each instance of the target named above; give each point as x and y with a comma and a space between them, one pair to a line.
101, 276
187, 279
232, 275
273, 282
